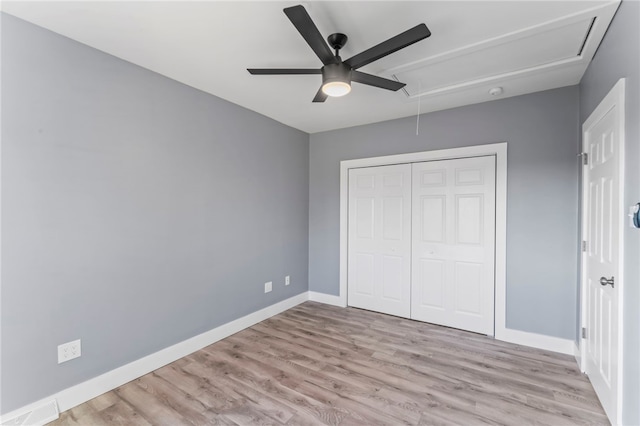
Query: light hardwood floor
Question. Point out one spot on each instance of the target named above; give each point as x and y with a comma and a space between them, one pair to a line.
317, 364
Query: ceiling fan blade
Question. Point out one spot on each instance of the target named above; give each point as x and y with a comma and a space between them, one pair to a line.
281, 71
302, 21
372, 80
407, 38
320, 96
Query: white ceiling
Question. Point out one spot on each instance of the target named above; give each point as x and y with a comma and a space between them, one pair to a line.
522, 46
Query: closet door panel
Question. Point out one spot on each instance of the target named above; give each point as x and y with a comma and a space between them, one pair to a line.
453, 221
379, 253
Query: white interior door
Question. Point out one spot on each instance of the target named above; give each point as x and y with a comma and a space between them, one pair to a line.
601, 267
453, 221
379, 251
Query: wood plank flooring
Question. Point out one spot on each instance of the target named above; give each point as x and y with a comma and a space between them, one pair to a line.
317, 364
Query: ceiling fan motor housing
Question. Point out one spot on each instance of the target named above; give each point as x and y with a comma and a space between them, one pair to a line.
336, 72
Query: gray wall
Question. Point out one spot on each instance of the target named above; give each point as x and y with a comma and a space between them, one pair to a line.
617, 57
542, 131
136, 212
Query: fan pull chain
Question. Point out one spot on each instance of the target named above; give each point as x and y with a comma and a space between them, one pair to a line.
419, 101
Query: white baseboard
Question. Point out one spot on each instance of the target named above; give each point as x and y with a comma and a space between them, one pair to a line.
539, 341
327, 299
83, 392
38, 415
534, 340
78, 394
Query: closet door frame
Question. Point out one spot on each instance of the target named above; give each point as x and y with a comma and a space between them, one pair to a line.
499, 150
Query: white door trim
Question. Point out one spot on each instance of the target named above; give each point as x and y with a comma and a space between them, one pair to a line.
615, 98
497, 149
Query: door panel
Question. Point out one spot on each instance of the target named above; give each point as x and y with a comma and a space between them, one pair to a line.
392, 217
469, 219
364, 217
433, 218
430, 178
468, 285
603, 213
453, 221
469, 177
362, 278
432, 289
379, 260
391, 270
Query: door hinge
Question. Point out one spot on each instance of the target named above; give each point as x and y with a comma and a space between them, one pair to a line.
584, 332
584, 246
585, 158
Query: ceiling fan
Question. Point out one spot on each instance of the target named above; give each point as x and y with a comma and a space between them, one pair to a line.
337, 74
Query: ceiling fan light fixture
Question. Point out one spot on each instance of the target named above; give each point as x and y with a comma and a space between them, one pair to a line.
336, 79
336, 88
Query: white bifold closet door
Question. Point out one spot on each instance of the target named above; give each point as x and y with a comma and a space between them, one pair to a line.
379, 260
453, 221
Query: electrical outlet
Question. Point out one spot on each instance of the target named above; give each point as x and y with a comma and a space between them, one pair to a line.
287, 280
268, 287
69, 351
